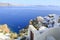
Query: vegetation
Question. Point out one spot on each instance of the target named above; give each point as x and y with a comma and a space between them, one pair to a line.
13, 35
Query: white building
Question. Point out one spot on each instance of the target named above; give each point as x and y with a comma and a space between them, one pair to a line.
4, 37
44, 33
48, 34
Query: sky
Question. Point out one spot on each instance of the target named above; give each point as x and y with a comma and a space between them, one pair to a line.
33, 2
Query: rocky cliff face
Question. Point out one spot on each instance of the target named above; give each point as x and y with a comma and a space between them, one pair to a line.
4, 28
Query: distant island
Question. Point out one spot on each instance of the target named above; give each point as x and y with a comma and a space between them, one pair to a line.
5, 4
8, 4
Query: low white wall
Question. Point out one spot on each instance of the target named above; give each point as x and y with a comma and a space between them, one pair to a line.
55, 32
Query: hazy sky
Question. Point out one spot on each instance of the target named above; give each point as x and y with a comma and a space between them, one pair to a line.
34, 2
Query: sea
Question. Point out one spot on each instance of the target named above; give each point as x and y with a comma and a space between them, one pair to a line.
18, 18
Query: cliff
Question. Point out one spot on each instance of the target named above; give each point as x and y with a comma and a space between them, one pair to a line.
4, 28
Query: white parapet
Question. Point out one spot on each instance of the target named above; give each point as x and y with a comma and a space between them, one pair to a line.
50, 34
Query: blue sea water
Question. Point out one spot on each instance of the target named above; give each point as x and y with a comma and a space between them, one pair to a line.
18, 17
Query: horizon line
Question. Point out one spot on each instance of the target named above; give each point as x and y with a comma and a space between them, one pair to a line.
16, 4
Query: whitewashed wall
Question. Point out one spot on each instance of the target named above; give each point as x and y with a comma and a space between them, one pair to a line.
52, 33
